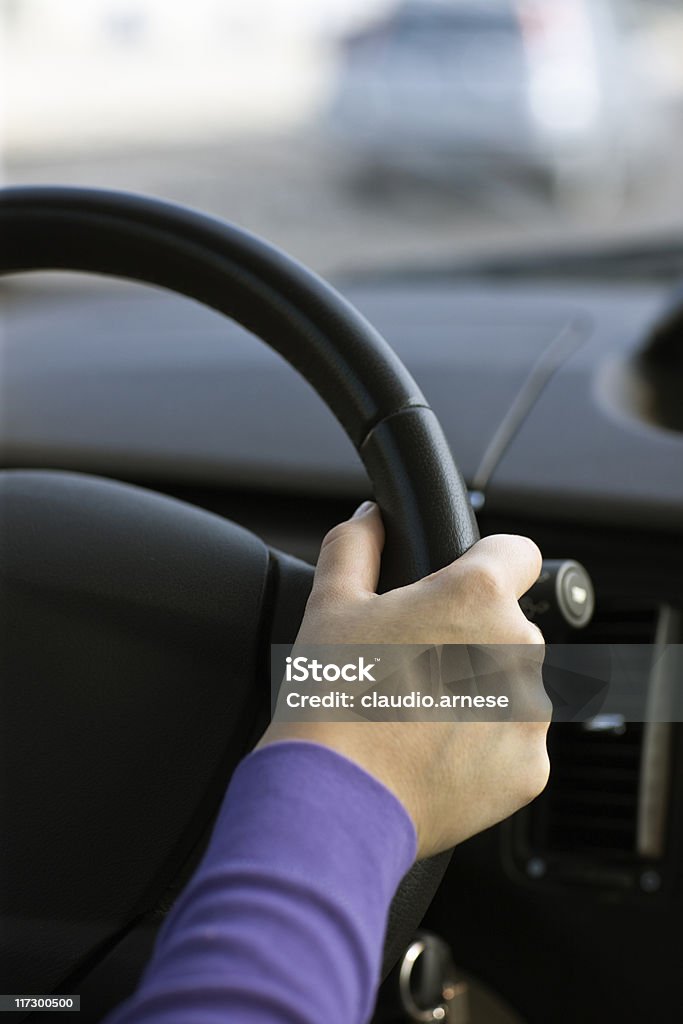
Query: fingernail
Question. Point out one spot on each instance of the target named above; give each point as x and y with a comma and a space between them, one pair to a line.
362, 509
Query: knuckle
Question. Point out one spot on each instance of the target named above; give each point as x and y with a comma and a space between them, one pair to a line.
536, 773
542, 707
531, 634
519, 542
484, 581
337, 533
520, 631
533, 549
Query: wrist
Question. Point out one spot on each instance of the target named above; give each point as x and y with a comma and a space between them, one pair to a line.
379, 757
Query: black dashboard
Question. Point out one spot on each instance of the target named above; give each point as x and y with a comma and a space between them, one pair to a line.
530, 384
537, 386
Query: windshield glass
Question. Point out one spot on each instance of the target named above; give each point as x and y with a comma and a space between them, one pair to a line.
360, 134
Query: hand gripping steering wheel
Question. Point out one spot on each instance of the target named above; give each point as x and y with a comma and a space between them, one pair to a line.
137, 627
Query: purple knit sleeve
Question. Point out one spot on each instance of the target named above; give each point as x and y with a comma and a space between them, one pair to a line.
284, 920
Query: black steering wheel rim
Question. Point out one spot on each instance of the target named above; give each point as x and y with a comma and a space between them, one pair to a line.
423, 499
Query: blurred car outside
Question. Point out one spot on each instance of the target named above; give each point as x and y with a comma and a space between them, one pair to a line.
539, 91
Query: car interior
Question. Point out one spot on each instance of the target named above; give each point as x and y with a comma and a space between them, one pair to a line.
167, 479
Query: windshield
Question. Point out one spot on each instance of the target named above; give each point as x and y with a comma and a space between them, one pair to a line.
360, 134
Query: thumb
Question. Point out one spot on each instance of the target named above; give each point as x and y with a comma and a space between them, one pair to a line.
349, 560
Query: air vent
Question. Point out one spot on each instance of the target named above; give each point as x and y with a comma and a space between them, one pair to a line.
585, 827
591, 803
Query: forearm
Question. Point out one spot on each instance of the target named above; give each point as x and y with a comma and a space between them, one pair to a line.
284, 919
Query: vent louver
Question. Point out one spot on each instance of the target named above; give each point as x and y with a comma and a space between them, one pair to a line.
586, 823
591, 804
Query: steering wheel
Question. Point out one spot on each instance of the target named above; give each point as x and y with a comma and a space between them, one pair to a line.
137, 626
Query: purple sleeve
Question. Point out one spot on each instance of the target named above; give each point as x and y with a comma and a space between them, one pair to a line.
284, 919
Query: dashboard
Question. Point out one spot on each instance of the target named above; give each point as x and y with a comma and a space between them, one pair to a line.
537, 385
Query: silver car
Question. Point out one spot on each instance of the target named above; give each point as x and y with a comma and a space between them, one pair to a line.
496, 86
